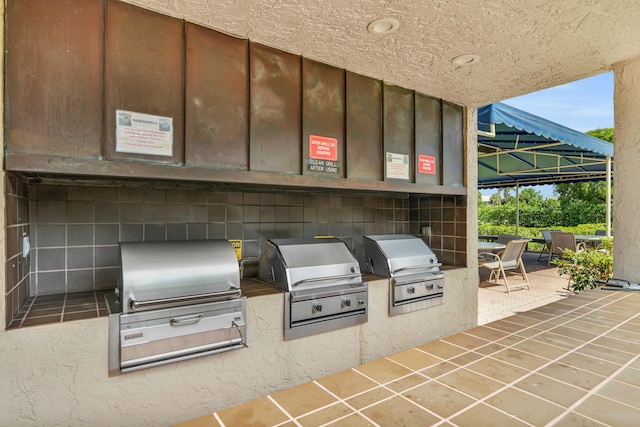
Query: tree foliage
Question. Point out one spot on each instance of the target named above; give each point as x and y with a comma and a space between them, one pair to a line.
574, 204
605, 134
588, 267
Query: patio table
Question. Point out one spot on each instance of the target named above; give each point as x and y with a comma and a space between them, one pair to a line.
490, 246
589, 239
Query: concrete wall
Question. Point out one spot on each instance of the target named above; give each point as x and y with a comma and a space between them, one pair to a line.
626, 174
56, 374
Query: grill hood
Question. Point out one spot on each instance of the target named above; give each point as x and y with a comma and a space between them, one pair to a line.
398, 255
322, 284
172, 273
177, 300
298, 264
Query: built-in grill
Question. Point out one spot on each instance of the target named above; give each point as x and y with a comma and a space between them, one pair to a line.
416, 281
175, 300
322, 284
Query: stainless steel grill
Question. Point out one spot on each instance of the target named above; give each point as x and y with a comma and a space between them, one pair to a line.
175, 300
416, 281
322, 284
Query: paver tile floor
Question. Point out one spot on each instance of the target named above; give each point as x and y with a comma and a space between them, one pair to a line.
557, 359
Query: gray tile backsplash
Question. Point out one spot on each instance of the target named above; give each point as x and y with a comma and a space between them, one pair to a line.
17, 274
75, 229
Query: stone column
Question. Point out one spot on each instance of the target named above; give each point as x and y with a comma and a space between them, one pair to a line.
626, 171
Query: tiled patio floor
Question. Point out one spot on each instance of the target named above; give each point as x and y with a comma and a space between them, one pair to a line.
546, 287
572, 362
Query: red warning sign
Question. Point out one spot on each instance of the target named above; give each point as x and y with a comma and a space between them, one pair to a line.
323, 148
426, 164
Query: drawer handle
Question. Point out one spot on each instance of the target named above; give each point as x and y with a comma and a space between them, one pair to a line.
186, 320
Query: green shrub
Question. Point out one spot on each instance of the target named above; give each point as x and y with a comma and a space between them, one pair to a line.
585, 267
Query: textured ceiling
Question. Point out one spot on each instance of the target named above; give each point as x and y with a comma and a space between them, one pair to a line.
524, 46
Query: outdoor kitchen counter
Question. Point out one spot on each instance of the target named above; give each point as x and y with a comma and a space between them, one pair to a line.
253, 287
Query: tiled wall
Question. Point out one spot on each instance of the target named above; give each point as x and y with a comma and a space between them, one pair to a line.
447, 218
76, 228
17, 224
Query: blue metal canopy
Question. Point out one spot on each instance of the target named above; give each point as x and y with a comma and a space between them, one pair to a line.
516, 147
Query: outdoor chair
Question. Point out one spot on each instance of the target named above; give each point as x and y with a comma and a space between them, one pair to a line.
562, 241
546, 235
602, 233
504, 238
508, 260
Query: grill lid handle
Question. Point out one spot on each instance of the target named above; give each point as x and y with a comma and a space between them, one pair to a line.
322, 279
416, 267
172, 302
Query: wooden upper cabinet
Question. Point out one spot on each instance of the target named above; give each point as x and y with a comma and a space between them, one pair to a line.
323, 144
428, 140
53, 78
398, 122
144, 54
217, 100
364, 127
274, 117
453, 145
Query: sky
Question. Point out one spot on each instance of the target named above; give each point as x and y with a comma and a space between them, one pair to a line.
582, 105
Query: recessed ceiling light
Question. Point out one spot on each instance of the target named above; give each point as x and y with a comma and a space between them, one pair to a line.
383, 26
465, 60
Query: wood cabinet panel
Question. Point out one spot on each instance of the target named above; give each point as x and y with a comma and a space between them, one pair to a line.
364, 127
398, 131
217, 100
453, 145
144, 54
54, 62
275, 113
322, 116
428, 140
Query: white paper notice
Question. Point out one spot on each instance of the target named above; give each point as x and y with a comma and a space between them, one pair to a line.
143, 134
397, 166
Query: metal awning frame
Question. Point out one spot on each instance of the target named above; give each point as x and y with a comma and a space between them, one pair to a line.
561, 162
523, 149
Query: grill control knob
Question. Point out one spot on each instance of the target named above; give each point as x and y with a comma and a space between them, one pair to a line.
411, 290
346, 302
430, 286
316, 307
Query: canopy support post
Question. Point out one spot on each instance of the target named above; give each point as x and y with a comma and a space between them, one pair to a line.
608, 196
517, 208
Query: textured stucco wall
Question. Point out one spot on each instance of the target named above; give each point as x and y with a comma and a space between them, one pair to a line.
57, 374
3, 250
626, 175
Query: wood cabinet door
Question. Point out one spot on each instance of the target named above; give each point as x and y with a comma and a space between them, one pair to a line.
275, 119
322, 120
217, 100
453, 145
428, 159
364, 127
54, 62
398, 122
144, 54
